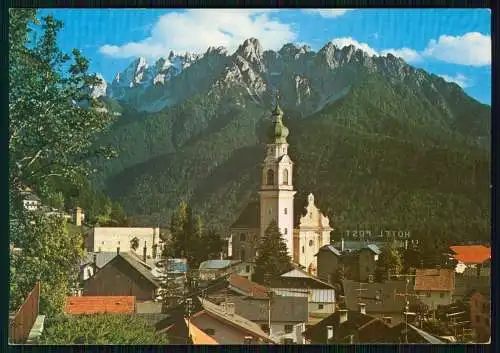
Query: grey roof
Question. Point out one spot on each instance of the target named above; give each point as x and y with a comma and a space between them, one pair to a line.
374, 248
249, 218
354, 245
102, 258
148, 307
426, 336
464, 285
139, 268
216, 264
283, 309
30, 196
387, 303
235, 319
330, 248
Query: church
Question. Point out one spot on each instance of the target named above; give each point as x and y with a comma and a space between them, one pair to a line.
303, 237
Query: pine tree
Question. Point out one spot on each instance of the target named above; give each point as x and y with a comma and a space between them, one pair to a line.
389, 260
273, 258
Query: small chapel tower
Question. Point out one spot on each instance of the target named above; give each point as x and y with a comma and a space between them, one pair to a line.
276, 191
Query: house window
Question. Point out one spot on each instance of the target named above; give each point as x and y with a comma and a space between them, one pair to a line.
242, 237
478, 318
287, 341
428, 294
303, 250
270, 210
247, 269
288, 328
242, 254
285, 177
102, 243
321, 306
441, 295
285, 211
264, 327
270, 177
311, 243
486, 321
285, 231
209, 331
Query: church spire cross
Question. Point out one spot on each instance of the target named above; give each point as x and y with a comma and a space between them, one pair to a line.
277, 110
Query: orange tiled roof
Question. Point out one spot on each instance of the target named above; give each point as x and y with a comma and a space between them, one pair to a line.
97, 304
198, 336
471, 254
243, 284
434, 280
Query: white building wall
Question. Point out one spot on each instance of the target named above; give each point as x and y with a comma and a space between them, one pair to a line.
110, 238
436, 298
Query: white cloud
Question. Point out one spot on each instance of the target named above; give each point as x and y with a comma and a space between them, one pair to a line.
196, 30
346, 41
407, 54
472, 49
328, 13
459, 79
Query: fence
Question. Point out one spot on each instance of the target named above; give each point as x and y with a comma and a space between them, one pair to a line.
20, 326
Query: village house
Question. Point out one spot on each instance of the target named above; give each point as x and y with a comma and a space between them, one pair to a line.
480, 315
384, 300
31, 202
100, 304
472, 260
220, 323
435, 286
123, 276
287, 315
359, 264
212, 269
106, 239
299, 283
355, 326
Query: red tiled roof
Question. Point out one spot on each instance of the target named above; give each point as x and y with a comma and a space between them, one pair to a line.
434, 280
97, 304
471, 254
258, 291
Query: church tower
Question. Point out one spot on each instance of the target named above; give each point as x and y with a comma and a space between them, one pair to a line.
276, 191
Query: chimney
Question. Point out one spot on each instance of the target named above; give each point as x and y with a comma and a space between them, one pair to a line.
362, 308
221, 254
329, 278
78, 216
117, 250
343, 316
350, 339
94, 263
230, 308
144, 252
329, 333
154, 251
342, 244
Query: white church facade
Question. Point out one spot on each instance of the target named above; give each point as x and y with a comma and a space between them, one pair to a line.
303, 237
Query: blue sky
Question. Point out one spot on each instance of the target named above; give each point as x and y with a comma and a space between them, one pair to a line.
452, 43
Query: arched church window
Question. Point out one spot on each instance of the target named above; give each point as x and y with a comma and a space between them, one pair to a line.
242, 254
285, 177
270, 177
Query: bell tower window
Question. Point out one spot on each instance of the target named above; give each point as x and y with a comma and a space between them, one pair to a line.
285, 177
270, 177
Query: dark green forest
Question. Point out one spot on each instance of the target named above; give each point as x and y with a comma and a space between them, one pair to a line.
385, 154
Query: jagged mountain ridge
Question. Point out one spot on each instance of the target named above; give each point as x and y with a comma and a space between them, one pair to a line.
346, 112
307, 80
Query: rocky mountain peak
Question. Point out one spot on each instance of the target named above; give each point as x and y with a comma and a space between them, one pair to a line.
251, 50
